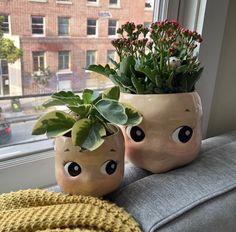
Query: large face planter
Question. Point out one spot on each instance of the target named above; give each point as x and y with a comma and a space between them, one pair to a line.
93, 173
170, 133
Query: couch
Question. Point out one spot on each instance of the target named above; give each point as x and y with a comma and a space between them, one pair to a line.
198, 197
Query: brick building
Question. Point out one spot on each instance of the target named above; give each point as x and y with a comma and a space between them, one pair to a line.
65, 36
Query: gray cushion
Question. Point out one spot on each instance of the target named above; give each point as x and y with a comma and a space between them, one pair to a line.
197, 197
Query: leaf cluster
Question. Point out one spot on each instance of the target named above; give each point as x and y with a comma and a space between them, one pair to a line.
89, 118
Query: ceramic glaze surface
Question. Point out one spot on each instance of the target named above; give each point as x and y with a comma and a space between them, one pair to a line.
93, 173
170, 133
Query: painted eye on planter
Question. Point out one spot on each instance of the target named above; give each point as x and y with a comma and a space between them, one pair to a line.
72, 169
182, 134
135, 133
109, 167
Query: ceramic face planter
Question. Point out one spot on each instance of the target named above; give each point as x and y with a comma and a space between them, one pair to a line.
170, 133
93, 173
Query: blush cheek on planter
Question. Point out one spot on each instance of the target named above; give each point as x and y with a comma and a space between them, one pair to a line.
95, 173
170, 133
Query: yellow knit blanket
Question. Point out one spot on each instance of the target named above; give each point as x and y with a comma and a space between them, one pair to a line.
40, 210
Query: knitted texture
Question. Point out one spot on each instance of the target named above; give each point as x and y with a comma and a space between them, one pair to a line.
40, 210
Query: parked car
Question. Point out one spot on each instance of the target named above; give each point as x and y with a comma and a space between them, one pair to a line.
5, 132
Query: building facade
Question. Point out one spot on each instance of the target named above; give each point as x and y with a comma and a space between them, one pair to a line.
64, 37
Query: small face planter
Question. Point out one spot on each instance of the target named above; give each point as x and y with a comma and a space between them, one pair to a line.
170, 133
93, 173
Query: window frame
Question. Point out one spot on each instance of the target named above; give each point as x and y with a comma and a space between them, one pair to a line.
8, 23
38, 60
96, 27
17, 168
58, 26
44, 26
95, 57
112, 27
69, 61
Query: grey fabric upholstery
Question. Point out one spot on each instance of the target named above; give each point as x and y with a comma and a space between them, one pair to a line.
198, 197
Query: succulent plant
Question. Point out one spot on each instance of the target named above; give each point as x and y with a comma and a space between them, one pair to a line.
88, 118
161, 59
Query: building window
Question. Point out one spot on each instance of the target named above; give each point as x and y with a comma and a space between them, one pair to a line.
92, 1
38, 61
113, 2
110, 55
5, 23
4, 78
37, 25
91, 27
63, 26
91, 57
149, 4
63, 60
112, 25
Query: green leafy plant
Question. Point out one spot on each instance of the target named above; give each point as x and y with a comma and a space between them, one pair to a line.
161, 59
89, 118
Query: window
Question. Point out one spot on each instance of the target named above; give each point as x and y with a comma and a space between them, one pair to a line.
112, 24
4, 78
113, 2
63, 60
149, 4
52, 34
38, 61
91, 27
110, 55
91, 58
63, 26
5, 23
92, 1
37, 25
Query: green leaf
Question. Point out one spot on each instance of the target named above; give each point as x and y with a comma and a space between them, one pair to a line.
82, 110
112, 93
53, 102
134, 117
88, 135
54, 123
112, 111
106, 71
69, 98
151, 74
138, 85
90, 96
125, 66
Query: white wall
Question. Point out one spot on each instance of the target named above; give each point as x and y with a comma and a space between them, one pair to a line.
223, 110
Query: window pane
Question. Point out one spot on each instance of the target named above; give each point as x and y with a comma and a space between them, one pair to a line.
63, 26
5, 23
37, 25
113, 2
112, 27
91, 26
38, 61
70, 37
63, 60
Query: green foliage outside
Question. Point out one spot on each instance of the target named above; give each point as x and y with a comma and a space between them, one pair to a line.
8, 51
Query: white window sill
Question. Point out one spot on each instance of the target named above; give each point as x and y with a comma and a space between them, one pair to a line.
64, 2
64, 71
114, 7
92, 36
39, 1
64, 36
36, 35
93, 5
